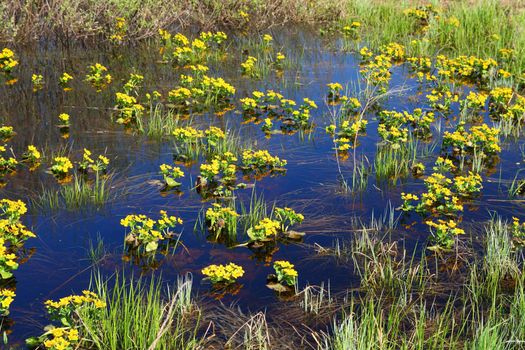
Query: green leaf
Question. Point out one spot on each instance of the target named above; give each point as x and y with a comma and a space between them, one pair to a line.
5, 274
170, 182
33, 342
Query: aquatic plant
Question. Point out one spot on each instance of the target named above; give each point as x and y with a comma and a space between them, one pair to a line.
13, 234
443, 233
97, 165
128, 109
64, 120
98, 76
269, 229
265, 230
223, 274
32, 155
169, 318
61, 167
7, 60
286, 273
145, 233
38, 82
170, 174
6, 298
261, 161
64, 80
6, 132
219, 219
65, 312
218, 176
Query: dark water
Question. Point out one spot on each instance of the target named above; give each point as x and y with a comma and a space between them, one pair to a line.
59, 263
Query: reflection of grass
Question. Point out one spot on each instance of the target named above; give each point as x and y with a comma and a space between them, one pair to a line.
78, 194
97, 250
138, 316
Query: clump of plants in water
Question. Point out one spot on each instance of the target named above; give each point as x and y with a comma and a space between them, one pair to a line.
277, 226
442, 202
272, 105
146, 234
64, 334
13, 234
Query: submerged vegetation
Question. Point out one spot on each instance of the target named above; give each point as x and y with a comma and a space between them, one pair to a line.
239, 167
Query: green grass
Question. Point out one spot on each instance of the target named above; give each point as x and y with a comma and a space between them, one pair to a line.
143, 315
403, 304
78, 194
254, 211
160, 122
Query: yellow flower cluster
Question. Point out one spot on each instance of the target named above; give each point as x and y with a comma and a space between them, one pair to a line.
261, 160
87, 298
64, 79
61, 166
346, 137
422, 13
409, 197
393, 134
444, 165
64, 119
120, 29
441, 99
467, 185
146, 232
98, 76
7, 60
128, 109
377, 71
32, 154
245, 16
7, 260
352, 29
224, 163
265, 229
334, 88
38, 81
444, 232
170, 173
13, 234
200, 90
393, 50
506, 104
7, 296
223, 273
6, 132
439, 197
249, 67
465, 67
481, 137
88, 162
61, 338
267, 38
7, 165
286, 272
475, 100
187, 134
518, 231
